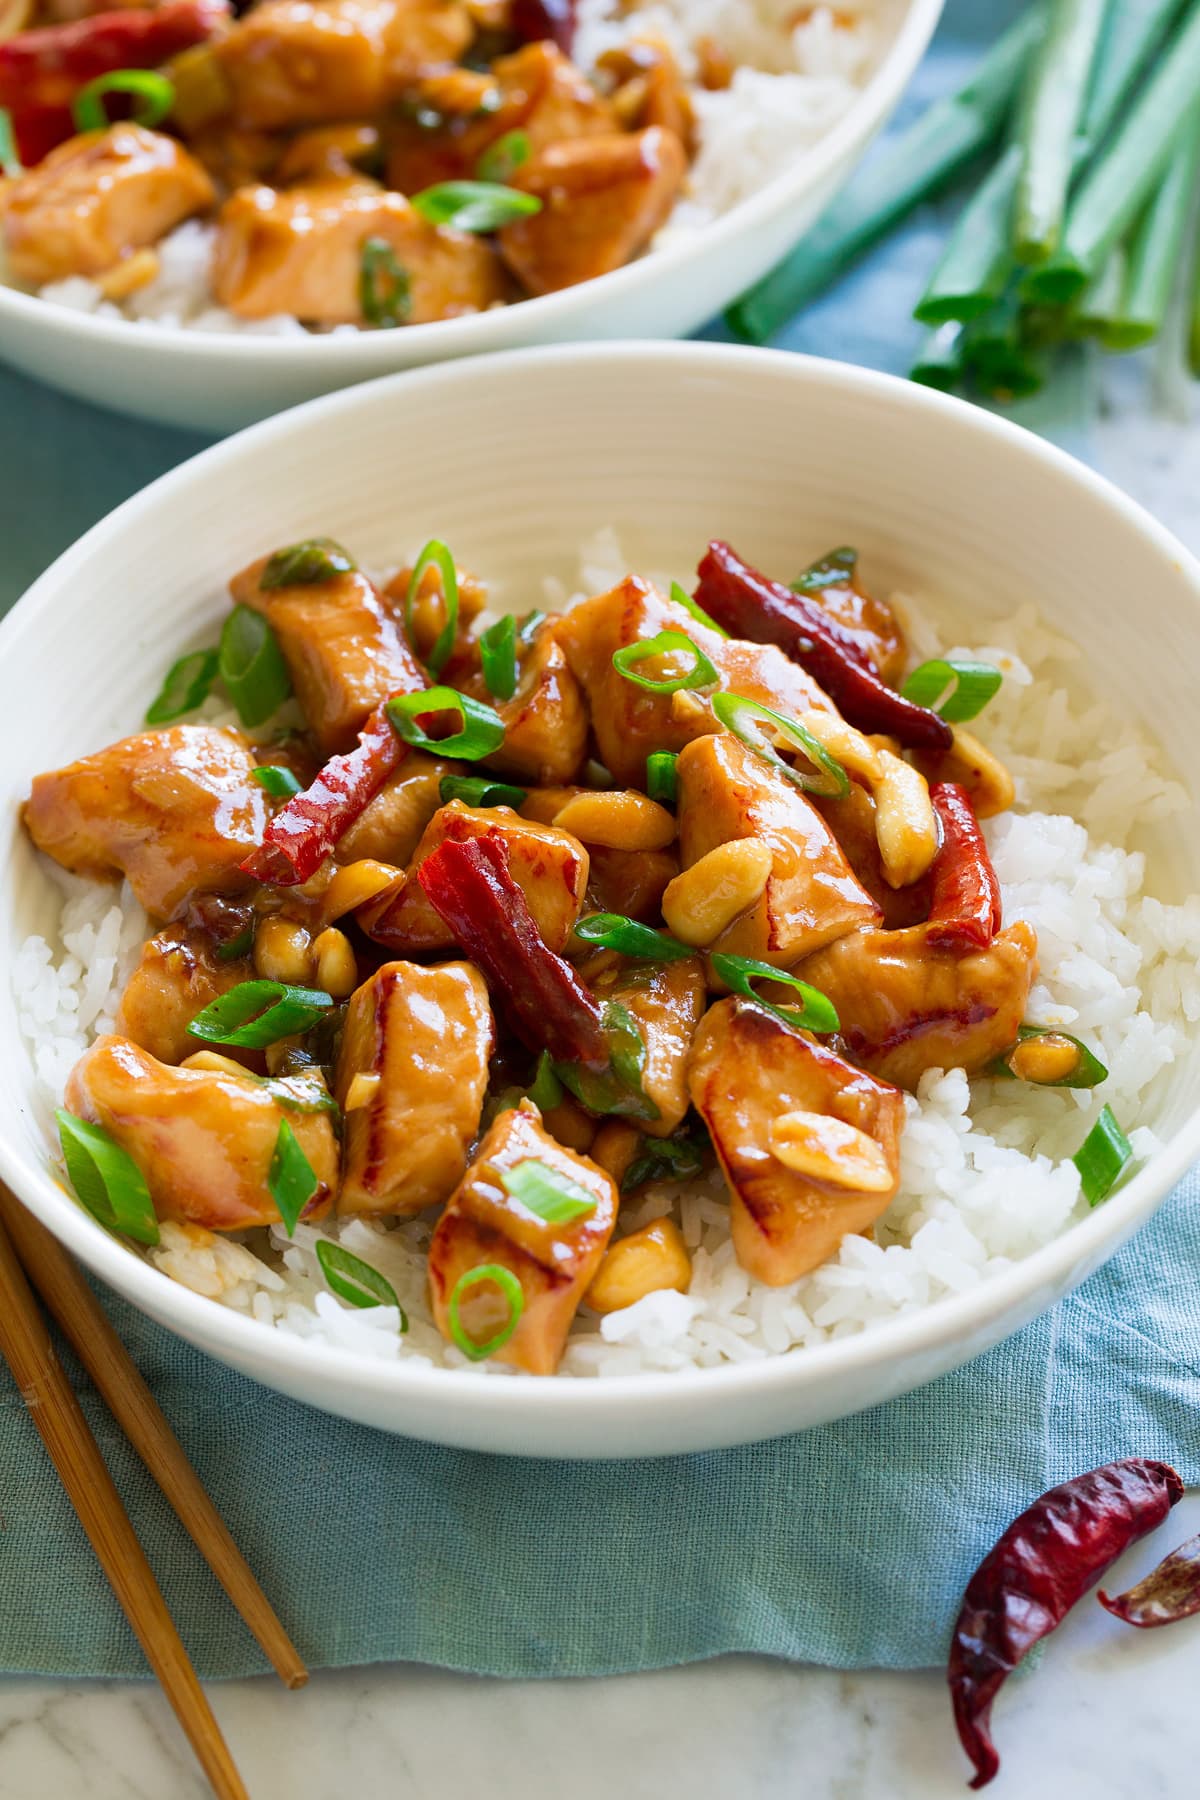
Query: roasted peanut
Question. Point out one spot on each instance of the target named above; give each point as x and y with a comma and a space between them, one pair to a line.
644, 1263
1051, 1057
213, 1061
362, 1090
856, 753
905, 824
357, 883
617, 820
705, 899
987, 782
829, 1150
130, 274
283, 950
570, 1124
336, 966
615, 1146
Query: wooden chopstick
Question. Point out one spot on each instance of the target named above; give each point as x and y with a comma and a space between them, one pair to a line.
85, 1325
25, 1344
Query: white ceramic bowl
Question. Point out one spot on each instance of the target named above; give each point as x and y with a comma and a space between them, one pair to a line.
220, 381
673, 444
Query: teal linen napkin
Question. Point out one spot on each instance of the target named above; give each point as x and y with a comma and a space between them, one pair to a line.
847, 1545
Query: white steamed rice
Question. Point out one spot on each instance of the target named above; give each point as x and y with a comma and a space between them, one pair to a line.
798, 73
986, 1176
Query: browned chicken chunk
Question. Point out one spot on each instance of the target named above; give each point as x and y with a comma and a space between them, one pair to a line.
810, 1145
536, 90
342, 647
390, 826
603, 199
97, 198
203, 1138
630, 721
178, 975
550, 866
311, 62
485, 1223
631, 882
811, 894
666, 1001
301, 251
546, 721
411, 1077
905, 1007
175, 811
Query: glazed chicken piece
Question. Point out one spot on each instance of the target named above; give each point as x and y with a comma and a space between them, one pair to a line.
312, 62
484, 1223
651, 88
390, 826
550, 866
629, 721
96, 199
411, 1077
545, 721
809, 1145
603, 199
811, 896
175, 811
631, 882
342, 647
539, 91
666, 1002
203, 1138
906, 1007
301, 251
179, 974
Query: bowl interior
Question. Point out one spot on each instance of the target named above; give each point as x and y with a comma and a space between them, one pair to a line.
514, 461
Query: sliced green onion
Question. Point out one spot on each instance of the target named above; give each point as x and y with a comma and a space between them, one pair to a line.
702, 674
299, 1093
481, 730
613, 931
662, 776
957, 690
233, 947
355, 1281
528, 627
479, 790
681, 597
619, 1088
675, 1158
509, 1286
305, 564
815, 1013
291, 1177
10, 162
1088, 1071
595, 774
384, 285
106, 1179
553, 1197
939, 362
997, 354
498, 657
501, 160
275, 780
974, 268
435, 555
257, 1013
736, 713
1101, 1157
1052, 105
474, 205
187, 685
252, 667
835, 569
153, 98
546, 1090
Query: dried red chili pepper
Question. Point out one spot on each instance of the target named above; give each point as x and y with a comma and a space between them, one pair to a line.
41, 71
1047, 1560
554, 19
1169, 1592
965, 907
470, 887
752, 606
302, 833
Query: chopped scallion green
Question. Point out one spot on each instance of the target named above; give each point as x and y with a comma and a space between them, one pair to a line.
681, 597
257, 1013
291, 1177
544, 1191
355, 1281
613, 931
662, 776
435, 555
384, 285
739, 715
307, 563
153, 98
512, 1291
187, 685
498, 657
481, 729
479, 790
702, 673
957, 690
275, 780
815, 1013
501, 160
1102, 1157
834, 569
546, 1090
10, 161
106, 1179
252, 667
474, 205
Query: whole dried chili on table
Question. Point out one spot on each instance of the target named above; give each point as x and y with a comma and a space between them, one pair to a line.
964, 905
1047, 1560
750, 605
1167, 1593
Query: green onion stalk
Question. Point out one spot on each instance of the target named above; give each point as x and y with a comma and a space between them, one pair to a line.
996, 355
1155, 249
923, 159
1053, 103
939, 362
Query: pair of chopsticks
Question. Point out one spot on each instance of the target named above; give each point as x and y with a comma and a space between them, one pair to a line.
30, 1258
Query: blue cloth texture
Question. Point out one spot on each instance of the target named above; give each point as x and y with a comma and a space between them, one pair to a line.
848, 1545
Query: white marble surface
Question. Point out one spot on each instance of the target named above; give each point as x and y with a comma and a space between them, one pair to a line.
1110, 1713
